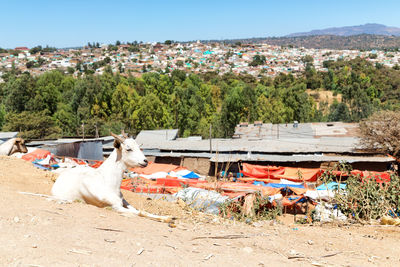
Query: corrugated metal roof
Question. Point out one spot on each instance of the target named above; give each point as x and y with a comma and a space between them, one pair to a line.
298, 158
302, 130
272, 131
156, 136
270, 158
68, 141
287, 145
7, 135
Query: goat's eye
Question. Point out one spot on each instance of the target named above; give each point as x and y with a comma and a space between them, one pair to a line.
129, 149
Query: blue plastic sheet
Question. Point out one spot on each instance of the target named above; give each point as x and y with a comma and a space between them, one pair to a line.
331, 186
40, 166
275, 185
191, 175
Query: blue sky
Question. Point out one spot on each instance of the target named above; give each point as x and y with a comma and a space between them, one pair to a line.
76, 22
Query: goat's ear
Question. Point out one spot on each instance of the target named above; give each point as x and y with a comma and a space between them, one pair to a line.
117, 140
117, 143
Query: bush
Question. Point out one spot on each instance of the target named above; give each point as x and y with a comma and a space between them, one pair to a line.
366, 199
262, 209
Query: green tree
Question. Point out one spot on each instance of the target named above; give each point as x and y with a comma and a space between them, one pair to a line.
257, 60
150, 114
339, 112
124, 102
2, 115
271, 110
65, 119
232, 110
32, 125
307, 59
17, 93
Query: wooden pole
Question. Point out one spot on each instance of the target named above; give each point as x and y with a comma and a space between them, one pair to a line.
210, 138
277, 129
83, 131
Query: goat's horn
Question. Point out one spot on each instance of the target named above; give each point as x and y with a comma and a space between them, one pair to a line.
117, 137
124, 134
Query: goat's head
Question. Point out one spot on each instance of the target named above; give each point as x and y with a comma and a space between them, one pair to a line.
18, 146
129, 151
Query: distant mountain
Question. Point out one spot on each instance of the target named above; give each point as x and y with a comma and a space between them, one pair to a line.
369, 28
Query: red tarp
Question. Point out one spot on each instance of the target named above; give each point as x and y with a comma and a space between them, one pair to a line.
380, 177
37, 154
288, 173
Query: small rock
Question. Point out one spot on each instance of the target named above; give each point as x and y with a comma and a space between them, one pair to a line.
208, 257
140, 251
248, 250
315, 263
34, 246
372, 258
16, 219
258, 224
310, 242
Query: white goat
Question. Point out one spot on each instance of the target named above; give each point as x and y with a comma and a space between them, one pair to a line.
101, 186
12, 146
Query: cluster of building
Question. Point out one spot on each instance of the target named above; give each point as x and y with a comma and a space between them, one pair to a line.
194, 57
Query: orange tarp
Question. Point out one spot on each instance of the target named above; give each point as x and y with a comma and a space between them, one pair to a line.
156, 167
291, 200
300, 174
37, 154
259, 171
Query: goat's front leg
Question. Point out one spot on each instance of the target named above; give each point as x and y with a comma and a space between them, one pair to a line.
116, 202
141, 213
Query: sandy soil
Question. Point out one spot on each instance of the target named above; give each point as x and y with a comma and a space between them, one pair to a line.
38, 232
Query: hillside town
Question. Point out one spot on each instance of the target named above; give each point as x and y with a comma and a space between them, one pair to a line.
198, 57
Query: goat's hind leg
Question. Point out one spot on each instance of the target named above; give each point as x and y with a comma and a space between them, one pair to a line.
166, 219
48, 197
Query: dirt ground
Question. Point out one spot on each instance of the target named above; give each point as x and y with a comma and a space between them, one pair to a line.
35, 231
